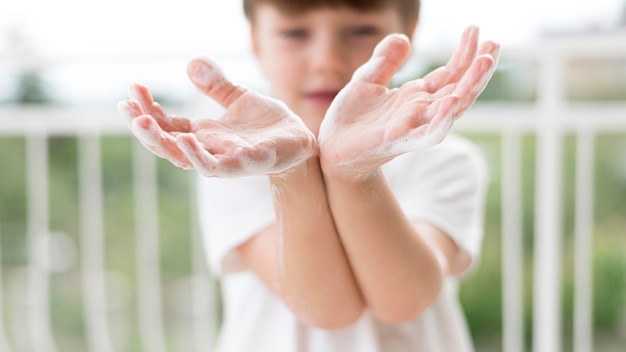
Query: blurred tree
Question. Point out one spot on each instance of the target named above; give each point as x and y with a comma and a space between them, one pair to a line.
31, 89
30, 86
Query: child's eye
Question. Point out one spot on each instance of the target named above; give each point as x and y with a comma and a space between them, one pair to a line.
363, 31
294, 33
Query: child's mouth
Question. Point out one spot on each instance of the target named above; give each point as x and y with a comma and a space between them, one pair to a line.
321, 98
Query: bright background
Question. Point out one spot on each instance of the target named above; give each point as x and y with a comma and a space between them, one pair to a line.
92, 50
69, 28
63, 61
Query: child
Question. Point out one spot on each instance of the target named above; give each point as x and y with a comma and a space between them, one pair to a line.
333, 214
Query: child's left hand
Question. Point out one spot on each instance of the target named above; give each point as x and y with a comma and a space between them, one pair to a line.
257, 135
368, 124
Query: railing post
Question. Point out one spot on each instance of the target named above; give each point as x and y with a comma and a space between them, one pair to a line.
38, 287
583, 246
147, 239
4, 343
92, 246
512, 244
548, 209
203, 291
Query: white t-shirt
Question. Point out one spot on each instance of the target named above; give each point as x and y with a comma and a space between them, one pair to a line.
444, 186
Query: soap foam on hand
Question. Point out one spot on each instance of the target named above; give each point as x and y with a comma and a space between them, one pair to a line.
257, 135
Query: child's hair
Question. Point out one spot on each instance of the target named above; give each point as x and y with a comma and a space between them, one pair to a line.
408, 9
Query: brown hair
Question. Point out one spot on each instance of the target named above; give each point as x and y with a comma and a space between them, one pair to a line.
408, 9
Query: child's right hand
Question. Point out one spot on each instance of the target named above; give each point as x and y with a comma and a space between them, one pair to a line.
257, 135
368, 124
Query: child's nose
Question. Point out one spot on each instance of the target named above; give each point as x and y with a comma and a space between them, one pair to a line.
329, 55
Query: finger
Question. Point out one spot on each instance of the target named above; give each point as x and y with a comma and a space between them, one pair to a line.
129, 110
163, 144
441, 124
490, 48
468, 47
206, 74
474, 82
143, 98
203, 161
141, 94
458, 63
427, 135
386, 59
416, 90
431, 134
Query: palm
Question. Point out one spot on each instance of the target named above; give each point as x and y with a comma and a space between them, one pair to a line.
371, 115
256, 134
368, 124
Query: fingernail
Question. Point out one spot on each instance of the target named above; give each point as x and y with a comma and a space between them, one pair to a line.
202, 71
199, 73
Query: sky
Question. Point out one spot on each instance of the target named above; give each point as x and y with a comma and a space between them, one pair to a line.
81, 33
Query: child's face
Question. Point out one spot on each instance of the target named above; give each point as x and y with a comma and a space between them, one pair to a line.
308, 58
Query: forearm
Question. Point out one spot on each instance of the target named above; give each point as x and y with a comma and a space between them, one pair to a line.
307, 266
398, 272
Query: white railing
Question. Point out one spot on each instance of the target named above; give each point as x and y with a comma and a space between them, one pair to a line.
549, 118
36, 126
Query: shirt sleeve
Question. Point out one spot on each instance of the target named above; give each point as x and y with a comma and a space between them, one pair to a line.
231, 211
445, 186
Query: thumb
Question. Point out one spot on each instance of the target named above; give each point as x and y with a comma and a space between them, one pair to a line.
386, 59
208, 76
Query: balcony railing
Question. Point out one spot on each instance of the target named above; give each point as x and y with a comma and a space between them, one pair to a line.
549, 117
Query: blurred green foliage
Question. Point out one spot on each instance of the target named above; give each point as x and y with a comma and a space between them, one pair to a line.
481, 293
31, 89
